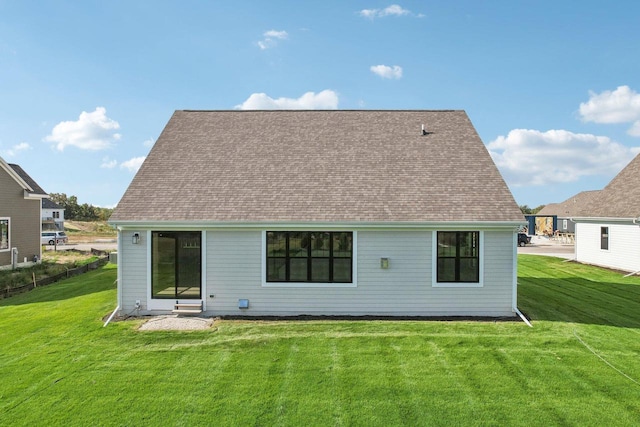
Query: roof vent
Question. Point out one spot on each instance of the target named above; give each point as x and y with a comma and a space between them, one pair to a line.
424, 131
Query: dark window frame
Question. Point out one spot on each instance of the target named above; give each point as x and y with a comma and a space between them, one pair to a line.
184, 242
458, 257
288, 257
604, 238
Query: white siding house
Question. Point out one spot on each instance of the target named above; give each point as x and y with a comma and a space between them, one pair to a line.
609, 244
609, 235
52, 215
286, 213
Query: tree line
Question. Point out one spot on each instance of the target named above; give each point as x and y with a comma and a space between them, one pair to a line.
531, 211
79, 212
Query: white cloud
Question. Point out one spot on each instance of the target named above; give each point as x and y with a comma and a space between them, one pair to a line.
148, 142
92, 131
619, 106
133, 164
531, 157
387, 72
325, 100
635, 129
271, 38
13, 151
393, 10
108, 163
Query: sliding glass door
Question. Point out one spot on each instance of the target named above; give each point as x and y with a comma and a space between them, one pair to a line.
176, 264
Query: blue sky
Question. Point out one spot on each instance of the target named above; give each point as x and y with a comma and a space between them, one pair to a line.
552, 87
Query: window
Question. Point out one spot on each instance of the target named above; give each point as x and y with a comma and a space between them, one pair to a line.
309, 256
458, 257
4, 234
604, 238
176, 261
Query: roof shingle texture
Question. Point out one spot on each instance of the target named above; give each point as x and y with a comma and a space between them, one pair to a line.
580, 205
26, 178
318, 166
621, 197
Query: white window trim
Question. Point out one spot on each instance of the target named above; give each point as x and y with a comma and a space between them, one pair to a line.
434, 264
8, 219
168, 304
354, 268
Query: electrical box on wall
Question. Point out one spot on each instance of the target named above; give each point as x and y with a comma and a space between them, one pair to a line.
384, 263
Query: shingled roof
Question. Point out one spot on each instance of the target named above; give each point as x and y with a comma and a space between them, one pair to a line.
580, 205
621, 197
35, 189
318, 166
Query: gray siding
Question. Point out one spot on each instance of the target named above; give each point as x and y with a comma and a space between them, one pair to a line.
24, 215
234, 271
133, 264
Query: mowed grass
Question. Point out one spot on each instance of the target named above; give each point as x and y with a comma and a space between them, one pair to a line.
579, 365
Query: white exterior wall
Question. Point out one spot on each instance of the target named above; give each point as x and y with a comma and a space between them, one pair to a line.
233, 264
624, 245
48, 214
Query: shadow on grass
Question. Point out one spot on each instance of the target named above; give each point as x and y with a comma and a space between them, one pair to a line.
98, 280
580, 300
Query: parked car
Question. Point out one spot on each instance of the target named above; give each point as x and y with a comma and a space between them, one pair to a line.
49, 236
523, 239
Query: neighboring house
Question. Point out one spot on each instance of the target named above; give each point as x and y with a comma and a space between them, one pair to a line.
52, 216
20, 224
579, 205
609, 233
541, 225
318, 213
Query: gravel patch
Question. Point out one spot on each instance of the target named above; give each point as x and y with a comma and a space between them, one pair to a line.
176, 323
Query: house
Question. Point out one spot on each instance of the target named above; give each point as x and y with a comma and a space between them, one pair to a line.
608, 233
52, 216
262, 213
20, 206
576, 206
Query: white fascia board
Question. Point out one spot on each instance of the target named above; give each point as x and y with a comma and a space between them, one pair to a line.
606, 220
200, 225
13, 174
35, 196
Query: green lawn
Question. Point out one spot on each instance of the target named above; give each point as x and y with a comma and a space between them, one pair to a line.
578, 365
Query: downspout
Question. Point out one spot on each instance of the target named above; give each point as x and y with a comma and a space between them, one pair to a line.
111, 317
118, 279
524, 319
515, 280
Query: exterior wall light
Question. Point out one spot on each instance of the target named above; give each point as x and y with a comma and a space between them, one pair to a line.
384, 263
136, 238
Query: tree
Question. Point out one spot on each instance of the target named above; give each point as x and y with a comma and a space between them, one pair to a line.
525, 209
84, 212
530, 211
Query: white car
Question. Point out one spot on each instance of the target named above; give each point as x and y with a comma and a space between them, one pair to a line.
49, 236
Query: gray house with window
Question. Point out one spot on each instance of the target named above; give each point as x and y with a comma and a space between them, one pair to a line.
20, 206
280, 213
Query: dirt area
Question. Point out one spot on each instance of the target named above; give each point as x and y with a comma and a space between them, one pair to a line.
88, 231
176, 323
65, 256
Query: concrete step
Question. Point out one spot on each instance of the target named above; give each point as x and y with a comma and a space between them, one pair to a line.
187, 308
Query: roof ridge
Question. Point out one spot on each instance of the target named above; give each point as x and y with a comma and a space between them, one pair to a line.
323, 111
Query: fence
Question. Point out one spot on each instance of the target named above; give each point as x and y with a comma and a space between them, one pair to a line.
6, 293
